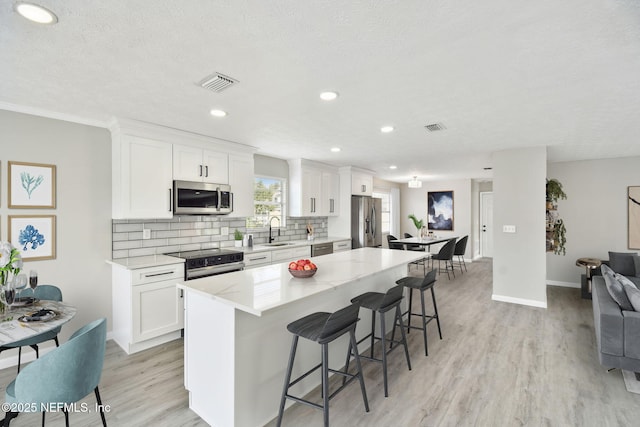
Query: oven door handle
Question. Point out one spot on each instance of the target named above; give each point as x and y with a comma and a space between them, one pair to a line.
212, 270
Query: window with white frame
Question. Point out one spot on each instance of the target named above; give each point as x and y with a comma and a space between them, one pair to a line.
386, 210
269, 200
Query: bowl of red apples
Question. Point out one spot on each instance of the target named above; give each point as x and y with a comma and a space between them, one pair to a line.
302, 268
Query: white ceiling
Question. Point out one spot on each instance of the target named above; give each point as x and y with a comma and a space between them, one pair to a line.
499, 74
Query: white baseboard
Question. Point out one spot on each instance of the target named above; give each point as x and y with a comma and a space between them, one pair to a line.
521, 301
563, 284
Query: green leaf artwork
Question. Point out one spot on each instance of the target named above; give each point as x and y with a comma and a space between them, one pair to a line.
30, 182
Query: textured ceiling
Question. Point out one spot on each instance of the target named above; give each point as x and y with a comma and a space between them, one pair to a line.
499, 74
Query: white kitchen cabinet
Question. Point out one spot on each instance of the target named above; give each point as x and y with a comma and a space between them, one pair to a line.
290, 254
147, 306
141, 177
361, 184
342, 245
330, 193
307, 193
195, 164
257, 259
241, 181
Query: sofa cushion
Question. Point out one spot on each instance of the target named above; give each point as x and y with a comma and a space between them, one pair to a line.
633, 294
623, 263
636, 263
624, 280
616, 290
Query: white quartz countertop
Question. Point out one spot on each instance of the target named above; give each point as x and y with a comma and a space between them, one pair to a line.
258, 290
290, 244
135, 263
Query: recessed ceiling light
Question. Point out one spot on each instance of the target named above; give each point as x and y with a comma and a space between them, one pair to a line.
386, 129
36, 13
328, 96
335, 149
393, 167
218, 113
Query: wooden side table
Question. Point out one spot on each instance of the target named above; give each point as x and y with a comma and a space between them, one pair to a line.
590, 264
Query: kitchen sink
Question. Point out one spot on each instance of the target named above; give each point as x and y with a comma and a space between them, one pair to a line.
279, 244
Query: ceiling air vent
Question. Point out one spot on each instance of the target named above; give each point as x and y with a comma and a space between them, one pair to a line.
435, 127
217, 82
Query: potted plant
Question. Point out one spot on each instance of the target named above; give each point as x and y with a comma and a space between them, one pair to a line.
237, 235
554, 223
554, 192
419, 224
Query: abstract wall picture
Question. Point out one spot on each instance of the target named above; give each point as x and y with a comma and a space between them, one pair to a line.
32, 185
33, 235
633, 198
440, 210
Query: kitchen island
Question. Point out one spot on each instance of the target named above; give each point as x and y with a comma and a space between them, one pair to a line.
236, 341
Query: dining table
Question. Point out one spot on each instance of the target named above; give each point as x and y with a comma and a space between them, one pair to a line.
424, 241
17, 324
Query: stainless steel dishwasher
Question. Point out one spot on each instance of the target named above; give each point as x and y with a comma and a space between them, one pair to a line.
321, 249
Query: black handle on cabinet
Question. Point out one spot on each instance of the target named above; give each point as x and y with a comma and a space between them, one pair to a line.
200, 170
206, 171
170, 200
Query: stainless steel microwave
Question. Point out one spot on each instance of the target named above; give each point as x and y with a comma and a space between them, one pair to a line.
201, 198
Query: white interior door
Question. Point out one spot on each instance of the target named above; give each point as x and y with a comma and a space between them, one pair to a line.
486, 224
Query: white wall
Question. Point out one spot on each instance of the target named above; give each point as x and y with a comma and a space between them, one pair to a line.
270, 166
519, 263
82, 155
414, 201
595, 212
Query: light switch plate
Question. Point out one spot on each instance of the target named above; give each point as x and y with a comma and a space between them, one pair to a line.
224, 231
508, 228
146, 233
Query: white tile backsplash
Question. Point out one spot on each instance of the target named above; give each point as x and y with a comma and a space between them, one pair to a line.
194, 232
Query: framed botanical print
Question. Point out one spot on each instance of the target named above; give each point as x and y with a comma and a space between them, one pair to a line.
33, 235
31, 185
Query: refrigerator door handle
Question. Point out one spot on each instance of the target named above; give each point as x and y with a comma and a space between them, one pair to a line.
373, 222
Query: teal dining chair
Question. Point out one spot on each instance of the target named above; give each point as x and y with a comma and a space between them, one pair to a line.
42, 292
63, 376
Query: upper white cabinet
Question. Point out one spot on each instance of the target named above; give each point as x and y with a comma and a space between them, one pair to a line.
330, 193
141, 178
195, 164
241, 182
146, 158
361, 183
307, 193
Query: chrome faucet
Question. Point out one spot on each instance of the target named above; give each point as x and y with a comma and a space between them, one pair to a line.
271, 238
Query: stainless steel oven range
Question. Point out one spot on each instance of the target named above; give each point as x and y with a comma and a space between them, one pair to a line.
209, 262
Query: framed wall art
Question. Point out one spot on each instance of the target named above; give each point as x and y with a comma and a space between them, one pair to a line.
440, 210
33, 235
31, 185
633, 199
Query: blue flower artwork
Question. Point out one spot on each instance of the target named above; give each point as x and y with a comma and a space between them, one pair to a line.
30, 236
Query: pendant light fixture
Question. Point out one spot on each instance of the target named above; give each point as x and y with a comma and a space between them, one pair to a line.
414, 183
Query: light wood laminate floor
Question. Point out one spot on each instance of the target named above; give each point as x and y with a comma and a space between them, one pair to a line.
499, 364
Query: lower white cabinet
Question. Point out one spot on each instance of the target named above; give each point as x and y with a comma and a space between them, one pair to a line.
257, 259
290, 254
342, 245
147, 306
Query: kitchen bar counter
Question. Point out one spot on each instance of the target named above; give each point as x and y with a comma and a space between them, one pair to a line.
236, 341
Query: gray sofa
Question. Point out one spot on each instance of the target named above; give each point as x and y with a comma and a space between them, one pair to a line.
617, 331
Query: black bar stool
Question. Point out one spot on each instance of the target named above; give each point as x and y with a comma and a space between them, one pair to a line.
324, 328
422, 285
382, 303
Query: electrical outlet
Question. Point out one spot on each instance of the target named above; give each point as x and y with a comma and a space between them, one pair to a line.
224, 231
146, 233
323, 224
508, 228
295, 225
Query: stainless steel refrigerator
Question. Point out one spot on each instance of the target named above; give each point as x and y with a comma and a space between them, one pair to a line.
366, 222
